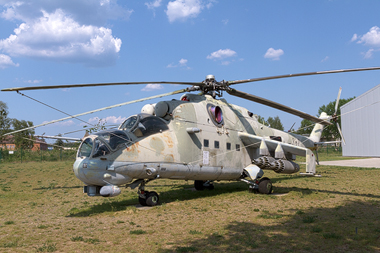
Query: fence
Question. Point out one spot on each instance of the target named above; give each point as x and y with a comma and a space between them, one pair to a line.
22, 155
330, 150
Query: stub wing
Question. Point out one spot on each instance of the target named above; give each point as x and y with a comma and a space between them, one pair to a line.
279, 149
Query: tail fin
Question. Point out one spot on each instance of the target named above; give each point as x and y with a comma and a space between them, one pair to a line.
315, 135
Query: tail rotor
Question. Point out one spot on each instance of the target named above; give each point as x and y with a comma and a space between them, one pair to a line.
334, 117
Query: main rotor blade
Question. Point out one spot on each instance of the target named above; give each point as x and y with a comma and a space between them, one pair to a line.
273, 104
93, 85
101, 109
58, 137
301, 74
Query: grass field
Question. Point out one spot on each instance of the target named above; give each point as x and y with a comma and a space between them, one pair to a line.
43, 209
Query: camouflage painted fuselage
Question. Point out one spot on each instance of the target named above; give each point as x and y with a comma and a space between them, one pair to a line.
205, 139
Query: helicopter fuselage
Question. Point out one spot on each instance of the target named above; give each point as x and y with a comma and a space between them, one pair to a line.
195, 138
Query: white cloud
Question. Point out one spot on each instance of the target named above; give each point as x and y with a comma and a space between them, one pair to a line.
69, 30
62, 123
154, 4
152, 86
181, 63
371, 38
369, 53
354, 37
6, 61
221, 54
274, 54
183, 9
108, 120
115, 120
33, 81
57, 36
325, 59
85, 12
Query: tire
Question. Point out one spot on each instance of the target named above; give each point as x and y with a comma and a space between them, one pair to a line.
198, 185
265, 186
142, 201
152, 199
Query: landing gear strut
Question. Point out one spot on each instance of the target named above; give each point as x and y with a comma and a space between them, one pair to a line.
200, 185
146, 198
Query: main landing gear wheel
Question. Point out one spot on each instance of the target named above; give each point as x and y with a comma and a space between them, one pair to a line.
265, 186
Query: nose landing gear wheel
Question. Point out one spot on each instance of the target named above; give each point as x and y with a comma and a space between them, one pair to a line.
152, 199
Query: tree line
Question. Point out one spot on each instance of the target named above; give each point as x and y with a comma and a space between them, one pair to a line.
22, 139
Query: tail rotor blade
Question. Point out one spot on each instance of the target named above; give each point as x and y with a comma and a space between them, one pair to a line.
337, 100
340, 132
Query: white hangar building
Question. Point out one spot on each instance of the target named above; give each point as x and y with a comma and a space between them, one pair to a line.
361, 125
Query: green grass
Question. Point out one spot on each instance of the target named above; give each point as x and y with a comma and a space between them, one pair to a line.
43, 209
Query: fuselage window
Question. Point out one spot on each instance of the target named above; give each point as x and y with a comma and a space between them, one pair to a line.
216, 144
205, 143
228, 146
237, 147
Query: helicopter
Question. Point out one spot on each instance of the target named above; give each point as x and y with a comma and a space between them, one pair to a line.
198, 137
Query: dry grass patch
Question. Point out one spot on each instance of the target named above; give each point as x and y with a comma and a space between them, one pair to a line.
43, 209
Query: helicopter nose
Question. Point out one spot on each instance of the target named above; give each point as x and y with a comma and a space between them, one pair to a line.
78, 170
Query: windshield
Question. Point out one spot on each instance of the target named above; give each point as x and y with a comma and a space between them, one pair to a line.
104, 143
100, 148
86, 148
114, 138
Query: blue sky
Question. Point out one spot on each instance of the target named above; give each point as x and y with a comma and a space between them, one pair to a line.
81, 41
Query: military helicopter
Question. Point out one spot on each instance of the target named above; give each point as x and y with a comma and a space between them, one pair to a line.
198, 137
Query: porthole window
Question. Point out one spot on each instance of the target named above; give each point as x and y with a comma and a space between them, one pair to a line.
216, 114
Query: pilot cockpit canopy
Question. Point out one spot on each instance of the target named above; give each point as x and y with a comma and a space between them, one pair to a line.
143, 125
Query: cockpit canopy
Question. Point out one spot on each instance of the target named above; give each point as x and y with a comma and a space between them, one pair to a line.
103, 143
143, 125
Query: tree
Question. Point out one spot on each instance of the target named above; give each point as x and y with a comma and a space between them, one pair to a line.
58, 143
5, 122
261, 120
331, 132
275, 123
23, 139
306, 127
